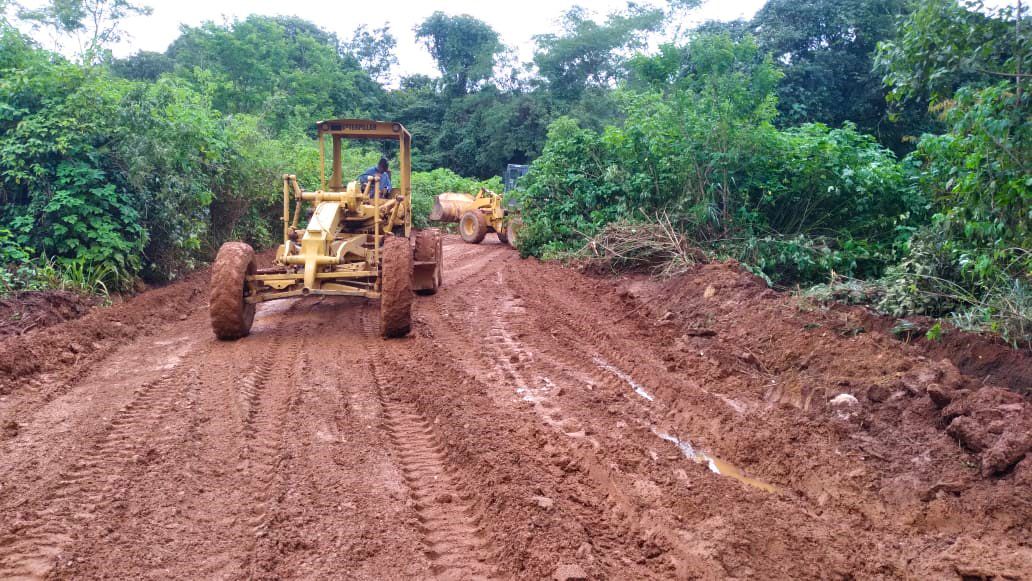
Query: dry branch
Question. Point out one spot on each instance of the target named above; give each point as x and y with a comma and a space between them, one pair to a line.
655, 246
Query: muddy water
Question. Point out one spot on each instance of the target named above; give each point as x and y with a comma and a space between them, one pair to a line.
716, 465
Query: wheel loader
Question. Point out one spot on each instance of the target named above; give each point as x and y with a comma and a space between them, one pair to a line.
477, 215
358, 241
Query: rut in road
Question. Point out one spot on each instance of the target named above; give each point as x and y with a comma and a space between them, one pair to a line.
455, 545
268, 393
88, 486
537, 376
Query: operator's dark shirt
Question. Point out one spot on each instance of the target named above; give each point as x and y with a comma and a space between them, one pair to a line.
385, 178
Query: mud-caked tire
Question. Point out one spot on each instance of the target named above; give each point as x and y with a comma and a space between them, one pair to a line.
440, 258
503, 234
428, 247
396, 287
231, 315
473, 227
512, 232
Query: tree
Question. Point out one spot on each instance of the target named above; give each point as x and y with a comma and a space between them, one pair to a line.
589, 54
825, 48
463, 47
374, 50
5, 5
95, 24
144, 65
970, 65
285, 68
484, 131
945, 44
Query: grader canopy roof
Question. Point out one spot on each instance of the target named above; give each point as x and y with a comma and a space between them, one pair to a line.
341, 129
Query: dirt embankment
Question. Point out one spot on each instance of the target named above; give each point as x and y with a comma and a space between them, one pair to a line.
537, 423
26, 311
970, 386
74, 344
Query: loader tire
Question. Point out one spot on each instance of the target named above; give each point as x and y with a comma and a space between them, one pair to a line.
396, 287
503, 234
512, 232
429, 248
440, 264
473, 227
231, 315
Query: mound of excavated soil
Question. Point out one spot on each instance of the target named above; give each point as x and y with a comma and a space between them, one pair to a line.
812, 355
73, 344
26, 311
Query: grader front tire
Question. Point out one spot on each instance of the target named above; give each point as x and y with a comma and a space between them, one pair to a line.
231, 315
473, 227
503, 234
396, 287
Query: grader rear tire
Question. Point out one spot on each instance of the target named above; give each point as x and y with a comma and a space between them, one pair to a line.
429, 249
473, 227
231, 315
396, 287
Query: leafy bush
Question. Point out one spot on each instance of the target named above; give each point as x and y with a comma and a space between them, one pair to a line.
795, 205
834, 182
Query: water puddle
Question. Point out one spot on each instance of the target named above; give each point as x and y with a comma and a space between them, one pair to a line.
638, 389
715, 465
532, 394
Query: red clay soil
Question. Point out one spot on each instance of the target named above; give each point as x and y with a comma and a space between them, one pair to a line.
536, 423
26, 311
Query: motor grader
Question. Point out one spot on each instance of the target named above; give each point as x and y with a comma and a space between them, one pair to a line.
476, 215
358, 241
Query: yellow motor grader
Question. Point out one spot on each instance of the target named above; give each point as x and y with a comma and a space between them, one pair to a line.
476, 215
358, 242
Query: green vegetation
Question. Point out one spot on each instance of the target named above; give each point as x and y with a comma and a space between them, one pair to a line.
879, 148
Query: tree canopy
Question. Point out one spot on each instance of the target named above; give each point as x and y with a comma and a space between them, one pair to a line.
463, 47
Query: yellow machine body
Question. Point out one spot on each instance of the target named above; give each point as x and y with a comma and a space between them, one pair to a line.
356, 242
337, 253
451, 207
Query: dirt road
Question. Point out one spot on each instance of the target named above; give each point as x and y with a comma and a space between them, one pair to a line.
539, 423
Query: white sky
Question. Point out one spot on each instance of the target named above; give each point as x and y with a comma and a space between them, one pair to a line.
517, 21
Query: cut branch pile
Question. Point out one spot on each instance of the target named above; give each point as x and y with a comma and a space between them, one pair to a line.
654, 246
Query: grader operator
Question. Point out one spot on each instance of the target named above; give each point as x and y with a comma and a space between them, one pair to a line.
358, 241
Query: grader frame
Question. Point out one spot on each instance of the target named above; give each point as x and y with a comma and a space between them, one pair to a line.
358, 242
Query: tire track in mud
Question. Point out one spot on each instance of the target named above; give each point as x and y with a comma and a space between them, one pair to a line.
268, 395
530, 374
455, 544
88, 486
448, 314
469, 269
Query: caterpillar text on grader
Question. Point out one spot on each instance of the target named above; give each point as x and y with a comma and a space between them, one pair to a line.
358, 242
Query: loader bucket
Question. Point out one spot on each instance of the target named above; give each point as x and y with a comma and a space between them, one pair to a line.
449, 207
